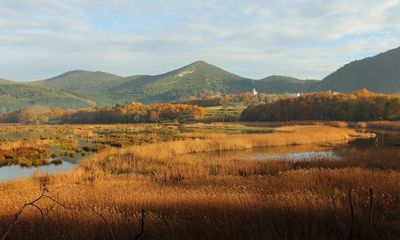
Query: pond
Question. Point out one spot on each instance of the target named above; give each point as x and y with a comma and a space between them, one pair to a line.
15, 171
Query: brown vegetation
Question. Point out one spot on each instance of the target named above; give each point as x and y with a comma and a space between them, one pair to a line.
187, 196
128, 113
24, 156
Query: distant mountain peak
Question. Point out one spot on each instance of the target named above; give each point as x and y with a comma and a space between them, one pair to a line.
199, 62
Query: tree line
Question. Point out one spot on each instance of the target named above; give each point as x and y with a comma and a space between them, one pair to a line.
358, 106
128, 113
245, 98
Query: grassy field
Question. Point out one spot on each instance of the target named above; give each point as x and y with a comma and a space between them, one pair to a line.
188, 197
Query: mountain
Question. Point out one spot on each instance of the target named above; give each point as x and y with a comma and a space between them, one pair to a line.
282, 84
380, 73
191, 80
82, 89
85, 84
17, 96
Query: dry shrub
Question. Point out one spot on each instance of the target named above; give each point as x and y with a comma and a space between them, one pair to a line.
361, 125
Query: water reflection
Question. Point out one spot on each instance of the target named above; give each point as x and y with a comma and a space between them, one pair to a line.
15, 171
284, 153
296, 156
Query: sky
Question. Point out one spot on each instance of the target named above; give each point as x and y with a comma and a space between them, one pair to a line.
253, 38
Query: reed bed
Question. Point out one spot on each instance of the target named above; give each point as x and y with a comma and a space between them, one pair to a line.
284, 136
295, 204
187, 196
385, 125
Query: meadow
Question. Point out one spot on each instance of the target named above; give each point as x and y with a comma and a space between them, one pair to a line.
164, 188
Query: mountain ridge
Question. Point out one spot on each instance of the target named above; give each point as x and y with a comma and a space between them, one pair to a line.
82, 83
192, 79
82, 88
379, 73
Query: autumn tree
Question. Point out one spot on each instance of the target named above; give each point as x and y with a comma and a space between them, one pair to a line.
358, 106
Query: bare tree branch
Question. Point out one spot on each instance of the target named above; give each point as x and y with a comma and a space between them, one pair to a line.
43, 195
34, 205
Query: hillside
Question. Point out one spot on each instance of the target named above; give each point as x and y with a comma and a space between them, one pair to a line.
18, 96
191, 80
282, 84
4, 81
76, 89
199, 78
79, 88
86, 84
380, 74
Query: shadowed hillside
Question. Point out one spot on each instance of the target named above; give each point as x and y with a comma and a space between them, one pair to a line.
380, 73
282, 84
18, 96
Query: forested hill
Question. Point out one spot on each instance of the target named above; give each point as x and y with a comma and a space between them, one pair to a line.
191, 80
284, 84
199, 78
80, 89
85, 84
380, 73
18, 96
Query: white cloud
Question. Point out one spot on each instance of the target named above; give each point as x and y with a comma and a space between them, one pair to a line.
303, 38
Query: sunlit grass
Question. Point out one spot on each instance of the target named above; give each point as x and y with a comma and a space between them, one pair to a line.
189, 196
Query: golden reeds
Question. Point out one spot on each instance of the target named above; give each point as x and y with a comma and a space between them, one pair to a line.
188, 196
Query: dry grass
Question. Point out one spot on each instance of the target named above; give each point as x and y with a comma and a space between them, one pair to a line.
284, 136
175, 160
299, 204
187, 196
388, 125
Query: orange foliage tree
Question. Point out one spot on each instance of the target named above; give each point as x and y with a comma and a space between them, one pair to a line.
358, 106
137, 113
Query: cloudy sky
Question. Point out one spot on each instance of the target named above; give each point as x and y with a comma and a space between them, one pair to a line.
305, 39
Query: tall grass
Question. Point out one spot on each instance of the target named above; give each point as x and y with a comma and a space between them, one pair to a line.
171, 160
189, 196
299, 204
284, 136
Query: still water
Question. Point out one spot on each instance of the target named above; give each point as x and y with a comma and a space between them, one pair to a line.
15, 171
